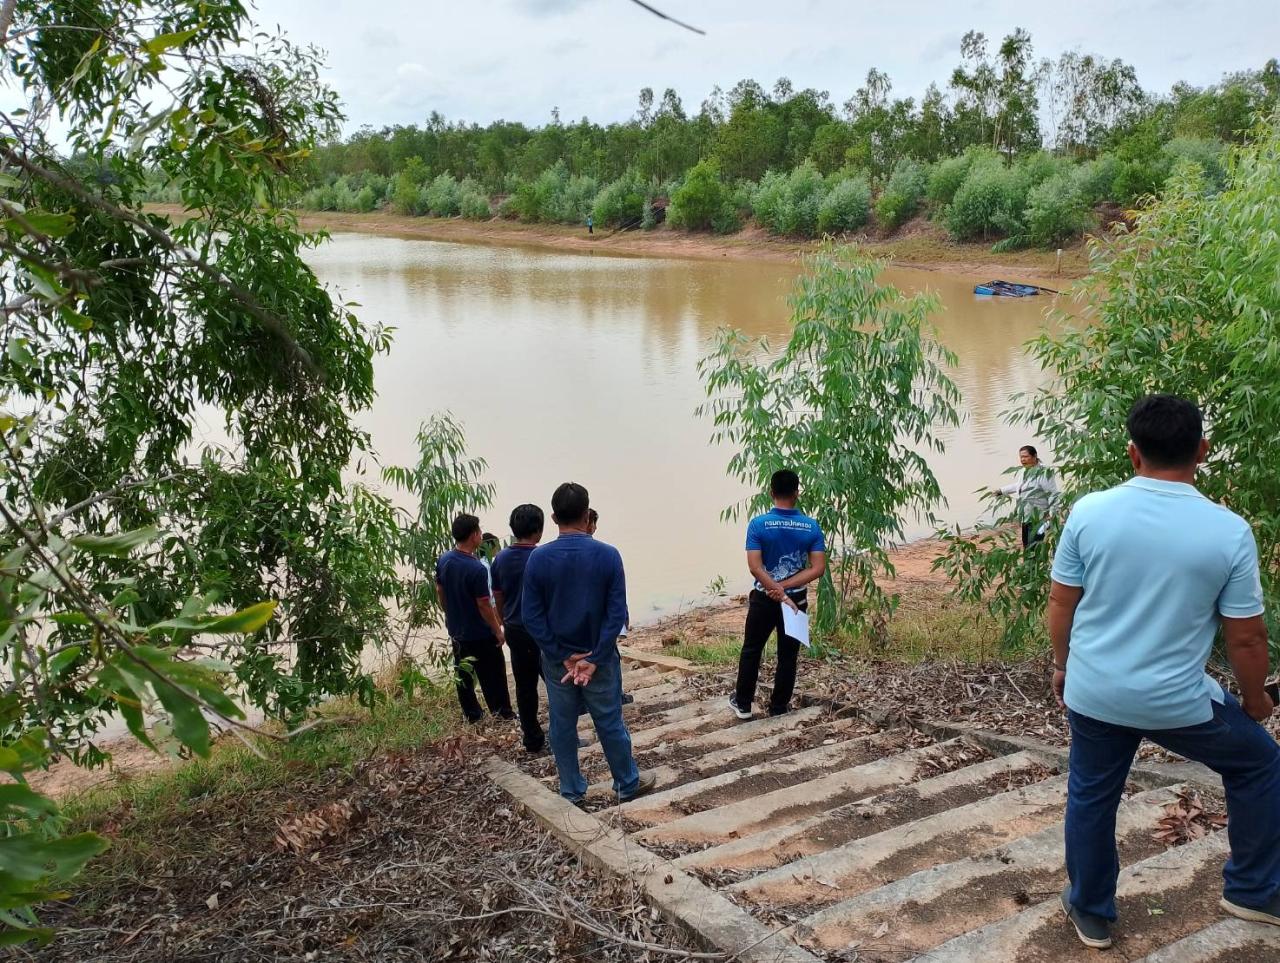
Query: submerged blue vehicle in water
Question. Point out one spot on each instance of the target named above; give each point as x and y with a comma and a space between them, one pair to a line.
1007, 289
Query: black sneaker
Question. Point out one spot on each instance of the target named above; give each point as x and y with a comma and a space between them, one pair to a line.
1094, 931
627, 698
647, 781
779, 712
1255, 914
536, 749
737, 711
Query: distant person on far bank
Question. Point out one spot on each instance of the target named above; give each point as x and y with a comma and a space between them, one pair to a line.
1036, 491
475, 632
574, 606
508, 593
591, 224
785, 552
1144, 576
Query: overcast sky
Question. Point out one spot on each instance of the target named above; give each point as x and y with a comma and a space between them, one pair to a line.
394, 61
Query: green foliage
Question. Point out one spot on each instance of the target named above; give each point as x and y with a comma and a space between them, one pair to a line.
947, 176
701, 202
621, 203
901, 196
846, 206
789, 203
990, 201
1094, 178
1185, 303
1207, 155
445, 481
442, 197
555, 197
135, 566
859, 391
474, 205
1055, 211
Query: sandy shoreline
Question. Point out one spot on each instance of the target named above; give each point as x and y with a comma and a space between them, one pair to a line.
920, 244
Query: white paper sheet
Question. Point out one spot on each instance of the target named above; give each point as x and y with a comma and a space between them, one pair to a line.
795, 624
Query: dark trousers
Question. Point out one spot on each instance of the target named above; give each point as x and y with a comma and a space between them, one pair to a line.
485, 663
526, 666
764, 617
1031, 534
1231, 744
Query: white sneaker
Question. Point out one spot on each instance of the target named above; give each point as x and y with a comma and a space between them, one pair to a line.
739, 712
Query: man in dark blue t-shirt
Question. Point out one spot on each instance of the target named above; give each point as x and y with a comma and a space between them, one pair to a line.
785, 552
508, 593
462, 586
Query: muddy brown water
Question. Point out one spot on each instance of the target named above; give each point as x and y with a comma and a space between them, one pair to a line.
565, 366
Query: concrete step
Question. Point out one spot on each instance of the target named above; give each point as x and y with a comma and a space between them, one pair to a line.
1161, 900
776, 773
782, 806
722, 723
868, 816
661, 691
918, 912
681, 763
873, 861
1230, 941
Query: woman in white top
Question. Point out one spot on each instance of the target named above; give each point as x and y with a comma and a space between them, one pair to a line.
1037, 493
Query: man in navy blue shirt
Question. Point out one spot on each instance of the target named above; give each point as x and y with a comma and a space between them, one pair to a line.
462, 586
574, 606
785, 552
508, 585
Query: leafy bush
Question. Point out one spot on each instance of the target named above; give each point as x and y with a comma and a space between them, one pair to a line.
648, 219
474, 205
702, 202
901, 195
846, 206
789, 203
1093, 180
991, 200
1205, 154
1055, 211
859, 391
366, 200
442, 197
621, 202
406, 197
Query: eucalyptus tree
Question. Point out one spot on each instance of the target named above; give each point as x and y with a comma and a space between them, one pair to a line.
854, 403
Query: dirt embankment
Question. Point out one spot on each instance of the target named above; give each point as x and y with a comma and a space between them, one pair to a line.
918, 244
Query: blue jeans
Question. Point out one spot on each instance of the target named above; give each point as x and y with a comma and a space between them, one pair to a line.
602, 697
1231, 744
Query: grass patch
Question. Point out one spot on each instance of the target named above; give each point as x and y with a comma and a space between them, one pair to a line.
711, 650
154, 817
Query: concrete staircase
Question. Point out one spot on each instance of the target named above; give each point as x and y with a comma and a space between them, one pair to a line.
823, 835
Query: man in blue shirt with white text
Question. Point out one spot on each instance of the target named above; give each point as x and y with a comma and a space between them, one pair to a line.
785, 552
574, 606
1143, 577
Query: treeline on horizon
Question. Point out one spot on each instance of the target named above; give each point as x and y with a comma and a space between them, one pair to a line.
1015, 150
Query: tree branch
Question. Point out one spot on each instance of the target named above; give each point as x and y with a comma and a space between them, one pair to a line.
269, 321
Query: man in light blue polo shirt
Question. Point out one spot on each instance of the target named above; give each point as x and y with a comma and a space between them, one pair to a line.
1144, 575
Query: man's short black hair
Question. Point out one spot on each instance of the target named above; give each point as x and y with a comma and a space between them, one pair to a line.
593, 516
1166, 430
784, 483
526, 521
463, 527
1030, 450
570, 502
